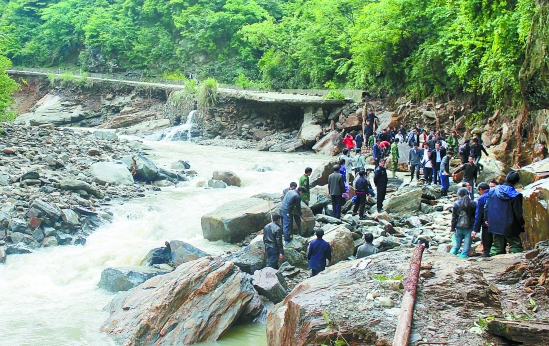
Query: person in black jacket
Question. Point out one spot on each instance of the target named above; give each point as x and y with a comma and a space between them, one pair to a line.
463, 217
380, 180
476, 151
470, 172
465, 151
272, 238
361, 191
436, 158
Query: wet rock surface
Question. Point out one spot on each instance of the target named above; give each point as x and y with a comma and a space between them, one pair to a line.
197, 302
126, 278
233, 221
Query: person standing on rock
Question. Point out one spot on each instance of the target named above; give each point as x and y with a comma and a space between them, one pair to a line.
348, 162
503, 211
272, 238
414, 161
290, 208
453, 142
359, 139
319, 251
361, 190
413, 138
376, 152
381, 180
304, 183
436, 159
336, 186
463, 216
368, 132
476, 151
480, 222
394, 157
427, 164
445, 173
349, 141
367, 249
465, 151
470, 172
359, 162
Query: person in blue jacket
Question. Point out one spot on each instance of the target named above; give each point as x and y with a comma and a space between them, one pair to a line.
503, 211
319, 251
376, 152
480, 222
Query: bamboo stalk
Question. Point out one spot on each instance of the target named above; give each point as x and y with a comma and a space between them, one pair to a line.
405, 317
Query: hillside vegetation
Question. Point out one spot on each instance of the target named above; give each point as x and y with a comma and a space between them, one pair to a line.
421, 48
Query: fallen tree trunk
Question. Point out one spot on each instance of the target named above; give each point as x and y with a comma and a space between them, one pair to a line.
404, 325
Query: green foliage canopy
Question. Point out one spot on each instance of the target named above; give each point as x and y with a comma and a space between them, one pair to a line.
421, 48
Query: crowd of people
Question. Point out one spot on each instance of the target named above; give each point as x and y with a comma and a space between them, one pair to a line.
497, 214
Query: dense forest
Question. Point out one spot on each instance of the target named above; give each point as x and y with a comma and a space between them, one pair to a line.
422, 48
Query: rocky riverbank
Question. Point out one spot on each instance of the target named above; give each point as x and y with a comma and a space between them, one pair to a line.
354, 300
57, 185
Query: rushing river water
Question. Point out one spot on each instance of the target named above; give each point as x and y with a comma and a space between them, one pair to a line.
50, 297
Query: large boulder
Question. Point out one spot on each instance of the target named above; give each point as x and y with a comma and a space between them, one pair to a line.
126, 278
319, 198
493, 169
111, 173
227, 177
197, 302
184, 252
352, 122
141, 167
407, 199
341, 242
310, 133
233, 221
535, 210
251, 258
534, 172
358, 301
321, 173
270, 284
330, 145
51, 109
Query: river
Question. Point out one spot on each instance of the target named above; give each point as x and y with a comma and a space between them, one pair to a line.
50, 297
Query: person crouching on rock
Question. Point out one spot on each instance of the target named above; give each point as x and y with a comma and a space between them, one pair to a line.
319, 251
272, 238
463, 215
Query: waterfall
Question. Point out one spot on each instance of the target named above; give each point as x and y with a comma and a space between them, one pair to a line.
177, 132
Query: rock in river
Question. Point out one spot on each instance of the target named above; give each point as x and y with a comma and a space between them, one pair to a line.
270, 284
111, 173
197, 302
126, 278
144, 168
234, 220
227, 177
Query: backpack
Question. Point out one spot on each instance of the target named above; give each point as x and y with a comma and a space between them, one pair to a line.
463, 222
460, 149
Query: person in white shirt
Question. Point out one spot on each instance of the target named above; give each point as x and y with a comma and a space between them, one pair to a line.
427, 164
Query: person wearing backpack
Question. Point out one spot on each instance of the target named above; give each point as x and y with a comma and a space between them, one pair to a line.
503, 211
463, 216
